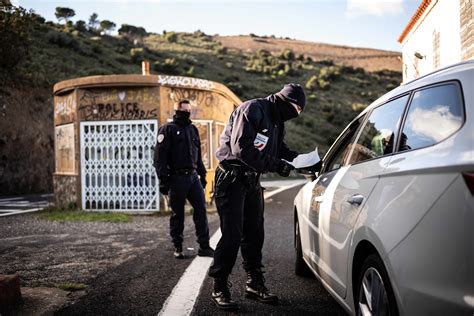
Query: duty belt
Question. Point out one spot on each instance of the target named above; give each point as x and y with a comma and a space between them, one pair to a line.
238, 169
183, 172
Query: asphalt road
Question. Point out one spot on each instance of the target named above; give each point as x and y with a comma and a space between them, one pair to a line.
298, 295
141, 284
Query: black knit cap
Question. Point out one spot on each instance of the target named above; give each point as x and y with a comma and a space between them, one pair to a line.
293, 93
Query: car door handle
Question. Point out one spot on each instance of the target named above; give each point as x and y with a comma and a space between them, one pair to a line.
319, 198
356, 199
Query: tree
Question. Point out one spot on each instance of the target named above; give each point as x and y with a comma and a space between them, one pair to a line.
107, 26
93, 22
132, 31
15, 23
63, 13
81, 26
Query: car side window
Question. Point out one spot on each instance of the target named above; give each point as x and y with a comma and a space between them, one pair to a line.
342, 150
378, 134
435, 113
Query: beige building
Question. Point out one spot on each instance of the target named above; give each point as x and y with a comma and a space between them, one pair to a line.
440, 33
105, 133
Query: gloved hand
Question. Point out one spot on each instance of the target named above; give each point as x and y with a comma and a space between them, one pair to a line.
164, 186
284, 168
203, 181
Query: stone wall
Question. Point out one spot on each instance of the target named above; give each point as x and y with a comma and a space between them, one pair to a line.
467, 29
65, 190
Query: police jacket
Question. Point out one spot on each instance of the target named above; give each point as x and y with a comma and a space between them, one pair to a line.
178, 147
254, 136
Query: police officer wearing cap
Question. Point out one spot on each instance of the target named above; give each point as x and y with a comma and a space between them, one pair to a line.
182, 175
251, 144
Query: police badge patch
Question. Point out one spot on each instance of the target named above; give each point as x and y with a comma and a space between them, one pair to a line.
260, 141
160, 138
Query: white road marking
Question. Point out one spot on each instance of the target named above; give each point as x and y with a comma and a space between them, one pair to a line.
16, 212
183, 297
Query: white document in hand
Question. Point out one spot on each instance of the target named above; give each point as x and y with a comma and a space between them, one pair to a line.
306, 160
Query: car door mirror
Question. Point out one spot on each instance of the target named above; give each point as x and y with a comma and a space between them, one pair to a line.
308, 174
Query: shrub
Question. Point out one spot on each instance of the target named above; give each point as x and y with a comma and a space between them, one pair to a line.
326, 62
222, 50
263, 53
287, 54
190, 71
171, 37
312, 83
169, 66
96, 49
62, 40
137, 55
323, 84
329, 73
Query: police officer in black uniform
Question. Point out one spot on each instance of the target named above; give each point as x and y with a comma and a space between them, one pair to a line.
251, 144
182, 174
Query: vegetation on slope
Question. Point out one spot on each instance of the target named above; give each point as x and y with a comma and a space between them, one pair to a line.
54, 52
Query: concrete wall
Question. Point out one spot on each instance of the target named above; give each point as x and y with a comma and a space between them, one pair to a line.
441, 19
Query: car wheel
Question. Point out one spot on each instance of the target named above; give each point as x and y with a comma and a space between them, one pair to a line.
301, 268
374, 292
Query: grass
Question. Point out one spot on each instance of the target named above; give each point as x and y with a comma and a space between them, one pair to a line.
71, 287
77, 215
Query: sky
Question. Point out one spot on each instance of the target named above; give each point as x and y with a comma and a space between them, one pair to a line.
358, 23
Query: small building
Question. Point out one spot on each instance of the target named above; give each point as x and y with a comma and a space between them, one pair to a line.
440, 33
105, 133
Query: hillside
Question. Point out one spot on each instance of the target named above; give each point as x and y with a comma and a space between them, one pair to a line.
337, 89
367, 58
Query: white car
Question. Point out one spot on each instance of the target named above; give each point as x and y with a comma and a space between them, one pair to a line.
388, 224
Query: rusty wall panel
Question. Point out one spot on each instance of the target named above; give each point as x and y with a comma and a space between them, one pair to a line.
127, 103
65, 148
65, 107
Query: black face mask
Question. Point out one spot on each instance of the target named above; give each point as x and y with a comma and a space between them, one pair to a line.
286, 110
182, 116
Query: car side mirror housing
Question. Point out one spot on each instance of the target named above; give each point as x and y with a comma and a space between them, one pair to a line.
308, 174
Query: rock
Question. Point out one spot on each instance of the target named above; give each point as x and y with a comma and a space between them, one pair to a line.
10, 294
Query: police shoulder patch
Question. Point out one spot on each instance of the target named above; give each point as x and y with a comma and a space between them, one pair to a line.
160, 138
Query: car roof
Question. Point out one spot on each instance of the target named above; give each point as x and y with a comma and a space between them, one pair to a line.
447, 73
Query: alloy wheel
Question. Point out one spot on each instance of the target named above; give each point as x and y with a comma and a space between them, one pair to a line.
373, 299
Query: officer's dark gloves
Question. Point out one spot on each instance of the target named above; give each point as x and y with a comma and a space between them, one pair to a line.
164, 186
203, 181
284, 168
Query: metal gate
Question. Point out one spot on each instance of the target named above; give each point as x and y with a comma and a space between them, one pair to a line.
117, 166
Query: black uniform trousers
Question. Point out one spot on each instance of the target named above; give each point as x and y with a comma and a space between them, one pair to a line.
188, 187
239, 202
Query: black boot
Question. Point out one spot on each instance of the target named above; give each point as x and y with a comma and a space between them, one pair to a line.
205, 251
256, 288
221, 295
178, 251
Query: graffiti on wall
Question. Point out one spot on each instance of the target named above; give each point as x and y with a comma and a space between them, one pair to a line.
64, 141
198, 98
64, 109
185, 82
117, 105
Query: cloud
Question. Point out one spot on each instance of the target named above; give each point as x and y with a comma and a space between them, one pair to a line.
379, 8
